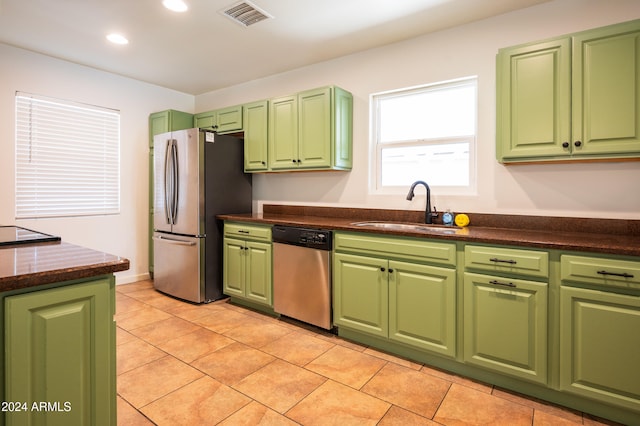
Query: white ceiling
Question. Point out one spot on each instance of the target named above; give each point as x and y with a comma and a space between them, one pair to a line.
201, 50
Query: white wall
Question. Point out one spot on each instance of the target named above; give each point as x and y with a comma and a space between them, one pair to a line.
606, 190
124, 234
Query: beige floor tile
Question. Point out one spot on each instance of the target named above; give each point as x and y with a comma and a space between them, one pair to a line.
151, 381
541, 418
257, 333
346, 366
123, 336
134, 354
195, 345
125, 303
398, 416
408, 389
539, 405
129, 416
140, 285
167, 329
470, 383
223, 320
202, 402
279, 385
256, 414
232, 363
298, 348
336, 404
140, 317
189, 312
392, 358
466, 406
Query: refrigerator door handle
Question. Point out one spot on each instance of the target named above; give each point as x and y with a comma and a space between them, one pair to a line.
176, 178
167, 177
176, 242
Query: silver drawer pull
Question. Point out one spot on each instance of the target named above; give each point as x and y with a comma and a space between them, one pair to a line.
495, 259
494, 282
624, 274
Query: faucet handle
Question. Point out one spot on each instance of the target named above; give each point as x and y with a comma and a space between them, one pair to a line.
435, 212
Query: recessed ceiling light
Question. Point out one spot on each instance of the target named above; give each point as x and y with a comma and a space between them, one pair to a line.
117, 39
175, 5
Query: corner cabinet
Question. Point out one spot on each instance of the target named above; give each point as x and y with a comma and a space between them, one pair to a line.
572, 98
162, 122
400, 289
311, 130
60, 351
599, 329
247, 263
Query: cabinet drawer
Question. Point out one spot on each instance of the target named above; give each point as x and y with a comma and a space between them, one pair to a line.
594, 270
255, 232
515, 261
397, 247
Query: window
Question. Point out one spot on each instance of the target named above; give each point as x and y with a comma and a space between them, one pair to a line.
67, 158
425, 133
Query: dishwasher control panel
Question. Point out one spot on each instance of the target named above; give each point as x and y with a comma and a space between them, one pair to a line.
319, 239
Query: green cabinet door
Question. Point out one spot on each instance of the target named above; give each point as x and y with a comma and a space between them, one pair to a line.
360, 293
60, 350
205, 120
572, 98
314, 111
162, 122
422, 306
283, 133
534, 100
600, 346
258, 272
233, 267
256, 134
229, 119
606, 91
505, 325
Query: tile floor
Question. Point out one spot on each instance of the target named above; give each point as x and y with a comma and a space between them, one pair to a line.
184, 364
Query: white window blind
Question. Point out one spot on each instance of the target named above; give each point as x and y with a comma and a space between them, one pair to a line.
67, 158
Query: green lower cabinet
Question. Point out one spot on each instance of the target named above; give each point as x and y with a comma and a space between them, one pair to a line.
360, 293
422, 306
600, 346
60, 355
247, 270
405, 302
505, 325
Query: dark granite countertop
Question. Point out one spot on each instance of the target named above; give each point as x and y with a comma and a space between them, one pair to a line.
611, 236
30, 265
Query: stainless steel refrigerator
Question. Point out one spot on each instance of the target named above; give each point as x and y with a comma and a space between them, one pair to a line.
198, 174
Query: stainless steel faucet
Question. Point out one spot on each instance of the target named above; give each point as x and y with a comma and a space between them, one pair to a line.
428, 214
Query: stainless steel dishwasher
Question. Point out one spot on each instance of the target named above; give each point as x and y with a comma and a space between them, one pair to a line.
302, 274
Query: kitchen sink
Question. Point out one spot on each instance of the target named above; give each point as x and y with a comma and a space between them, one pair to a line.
399, 226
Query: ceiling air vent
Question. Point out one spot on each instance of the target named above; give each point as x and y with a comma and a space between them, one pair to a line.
246, 13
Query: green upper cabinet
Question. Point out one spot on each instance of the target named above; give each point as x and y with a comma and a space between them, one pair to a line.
311, 130
225, 120
168, 121
205, 120
572, 98
256, 132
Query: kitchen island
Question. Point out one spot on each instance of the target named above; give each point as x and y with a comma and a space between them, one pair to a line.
545, 306
58, 334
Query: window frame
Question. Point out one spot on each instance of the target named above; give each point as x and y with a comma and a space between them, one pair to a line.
376, 147
67, 158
